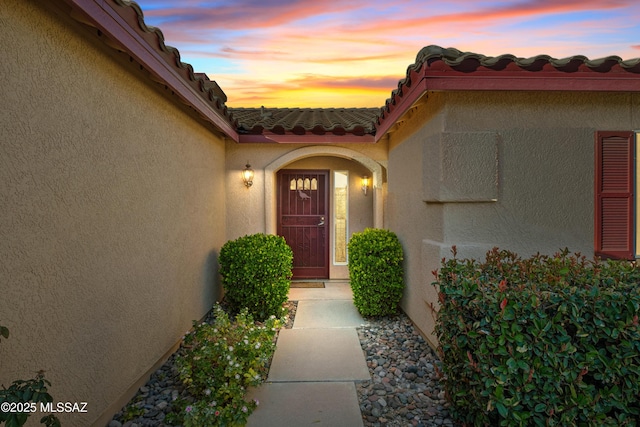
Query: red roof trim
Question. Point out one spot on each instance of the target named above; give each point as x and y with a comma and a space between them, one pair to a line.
541, 80
438, 69
435, 69
306, 139
104, 16
397, 106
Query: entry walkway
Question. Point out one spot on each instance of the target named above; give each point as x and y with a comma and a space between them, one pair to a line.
316, 364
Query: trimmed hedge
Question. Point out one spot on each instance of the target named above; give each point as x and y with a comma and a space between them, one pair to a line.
375, 271
256, 274
544, 341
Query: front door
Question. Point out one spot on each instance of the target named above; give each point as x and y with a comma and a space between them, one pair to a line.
303, 207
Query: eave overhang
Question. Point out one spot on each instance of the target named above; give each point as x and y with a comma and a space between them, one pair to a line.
306, 139
121, 23
438, 69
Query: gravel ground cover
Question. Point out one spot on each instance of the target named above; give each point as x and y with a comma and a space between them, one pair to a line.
405, 389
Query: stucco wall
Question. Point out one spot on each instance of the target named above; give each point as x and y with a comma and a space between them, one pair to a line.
513, 170
407, 215
112, 213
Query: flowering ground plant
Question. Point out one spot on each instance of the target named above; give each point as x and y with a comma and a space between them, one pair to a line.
219, 362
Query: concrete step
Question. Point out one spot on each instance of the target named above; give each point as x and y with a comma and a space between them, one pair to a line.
327, 314
312, 404
318, 355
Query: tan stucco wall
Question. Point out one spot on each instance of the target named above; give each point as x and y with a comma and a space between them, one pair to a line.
407, 215
247, 207
513, 170
112, 213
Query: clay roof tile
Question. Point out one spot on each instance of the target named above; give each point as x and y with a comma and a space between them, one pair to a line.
300, 121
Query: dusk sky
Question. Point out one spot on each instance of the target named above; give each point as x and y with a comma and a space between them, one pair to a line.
352, 53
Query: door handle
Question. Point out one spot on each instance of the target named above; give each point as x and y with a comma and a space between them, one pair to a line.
321, 221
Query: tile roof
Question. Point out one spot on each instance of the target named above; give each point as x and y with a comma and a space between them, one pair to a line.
438, 68
469, 61
328, 122
301, 121
435, 68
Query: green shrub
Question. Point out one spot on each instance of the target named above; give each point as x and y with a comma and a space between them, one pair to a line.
256, 274
545, 341
220, 361
375, 271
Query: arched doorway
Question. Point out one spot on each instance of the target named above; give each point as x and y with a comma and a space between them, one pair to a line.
336, 173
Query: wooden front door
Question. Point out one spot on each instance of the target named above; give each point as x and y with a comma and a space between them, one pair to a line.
303, 220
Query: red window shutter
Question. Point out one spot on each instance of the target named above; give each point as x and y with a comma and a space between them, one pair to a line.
614, 201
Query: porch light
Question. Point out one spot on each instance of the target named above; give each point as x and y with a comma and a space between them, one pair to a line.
247, 175
365, 184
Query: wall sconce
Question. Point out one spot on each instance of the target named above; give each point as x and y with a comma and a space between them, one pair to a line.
247, 175
365, 184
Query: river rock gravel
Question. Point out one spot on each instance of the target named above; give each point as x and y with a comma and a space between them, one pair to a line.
406, 388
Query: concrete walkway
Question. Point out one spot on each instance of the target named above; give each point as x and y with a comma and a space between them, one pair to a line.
316, 364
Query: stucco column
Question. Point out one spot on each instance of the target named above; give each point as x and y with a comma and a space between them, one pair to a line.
378, 203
